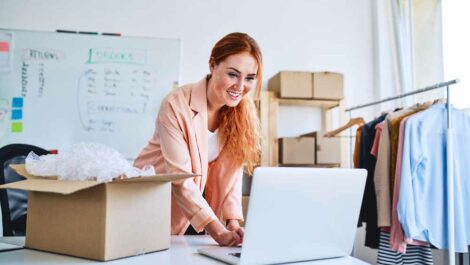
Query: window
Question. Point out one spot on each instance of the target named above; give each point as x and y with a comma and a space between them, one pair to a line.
456, 49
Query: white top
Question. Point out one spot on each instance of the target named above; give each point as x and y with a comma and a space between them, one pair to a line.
214, 145
183, 250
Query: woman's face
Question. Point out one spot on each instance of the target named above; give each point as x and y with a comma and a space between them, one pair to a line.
231, 79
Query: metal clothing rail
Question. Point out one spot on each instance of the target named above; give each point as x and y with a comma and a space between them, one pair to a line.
449, 156
438, 85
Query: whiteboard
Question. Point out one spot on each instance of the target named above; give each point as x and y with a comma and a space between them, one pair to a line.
57, 89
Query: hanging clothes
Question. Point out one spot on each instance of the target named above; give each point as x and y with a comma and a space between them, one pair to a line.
367, 161
386, 160
382, 171
375, 145
397, 237
394, 132
416, 255
356, 146
422, 209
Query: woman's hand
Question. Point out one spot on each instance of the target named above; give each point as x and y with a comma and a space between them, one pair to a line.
223, 236
234, 225
229, 238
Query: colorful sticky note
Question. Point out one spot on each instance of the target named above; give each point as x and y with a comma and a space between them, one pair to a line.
16, 127
17, 114
17, 103
4, 46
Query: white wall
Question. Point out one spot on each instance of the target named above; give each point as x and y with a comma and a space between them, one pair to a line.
428, 47
307, 35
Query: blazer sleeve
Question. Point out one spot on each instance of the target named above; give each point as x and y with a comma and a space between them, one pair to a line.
177, 158
232, 207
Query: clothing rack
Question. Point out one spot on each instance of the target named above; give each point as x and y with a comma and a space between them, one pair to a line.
418, 91
449, 154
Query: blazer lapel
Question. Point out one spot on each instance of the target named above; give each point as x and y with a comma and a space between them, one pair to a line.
198, 104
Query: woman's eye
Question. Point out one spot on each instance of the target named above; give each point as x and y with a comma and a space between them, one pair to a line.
250, 78
232, 74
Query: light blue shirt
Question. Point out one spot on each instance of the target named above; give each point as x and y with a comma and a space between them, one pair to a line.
422, 206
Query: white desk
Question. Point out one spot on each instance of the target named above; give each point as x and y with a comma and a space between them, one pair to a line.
183, 251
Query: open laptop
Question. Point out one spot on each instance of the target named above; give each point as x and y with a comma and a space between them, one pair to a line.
298, 214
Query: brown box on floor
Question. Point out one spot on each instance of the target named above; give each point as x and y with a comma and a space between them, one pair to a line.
100, 221
328, 85
297, 150
328, 149
290, 84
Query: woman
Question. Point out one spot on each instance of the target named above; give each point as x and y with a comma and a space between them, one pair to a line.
210, 128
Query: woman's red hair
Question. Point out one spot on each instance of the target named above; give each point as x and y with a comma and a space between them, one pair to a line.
239, 126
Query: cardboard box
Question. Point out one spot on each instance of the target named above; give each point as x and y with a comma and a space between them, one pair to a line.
245, 200
297, 151
328, 149
289, 84
246, 184
328, 85
100, 221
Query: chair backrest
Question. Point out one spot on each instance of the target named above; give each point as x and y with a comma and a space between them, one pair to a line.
14, 202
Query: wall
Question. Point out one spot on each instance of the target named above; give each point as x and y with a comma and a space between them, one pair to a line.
334, 35
294, 35
428, 46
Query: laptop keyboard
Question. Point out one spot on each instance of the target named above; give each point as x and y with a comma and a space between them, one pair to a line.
236, 254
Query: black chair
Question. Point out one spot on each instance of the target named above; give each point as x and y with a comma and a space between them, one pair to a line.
14, 202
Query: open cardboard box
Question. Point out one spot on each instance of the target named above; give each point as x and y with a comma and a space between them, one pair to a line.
100, 221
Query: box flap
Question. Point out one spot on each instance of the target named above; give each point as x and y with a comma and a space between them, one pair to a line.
20, 169
159, 178
51, 184
47, 185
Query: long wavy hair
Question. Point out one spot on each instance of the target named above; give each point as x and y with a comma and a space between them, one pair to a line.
239, 126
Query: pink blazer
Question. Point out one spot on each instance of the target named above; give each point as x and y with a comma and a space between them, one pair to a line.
180, 144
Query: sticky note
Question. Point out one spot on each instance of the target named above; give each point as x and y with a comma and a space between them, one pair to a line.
4, 46
16, 127
17, 114
17, 103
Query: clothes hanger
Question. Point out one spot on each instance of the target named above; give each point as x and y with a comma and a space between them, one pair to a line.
353, 121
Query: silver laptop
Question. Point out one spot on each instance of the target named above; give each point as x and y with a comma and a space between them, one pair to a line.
298, 214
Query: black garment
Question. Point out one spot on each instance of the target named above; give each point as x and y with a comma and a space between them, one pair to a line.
13, 202
191, 232
367, 161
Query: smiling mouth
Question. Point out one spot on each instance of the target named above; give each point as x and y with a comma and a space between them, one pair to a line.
234, 95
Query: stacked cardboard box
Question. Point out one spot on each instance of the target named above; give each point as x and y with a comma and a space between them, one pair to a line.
308, 85
328, 149
310, 149
297, 150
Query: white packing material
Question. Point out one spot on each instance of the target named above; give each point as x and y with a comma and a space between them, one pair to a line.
45, 165
85, 161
